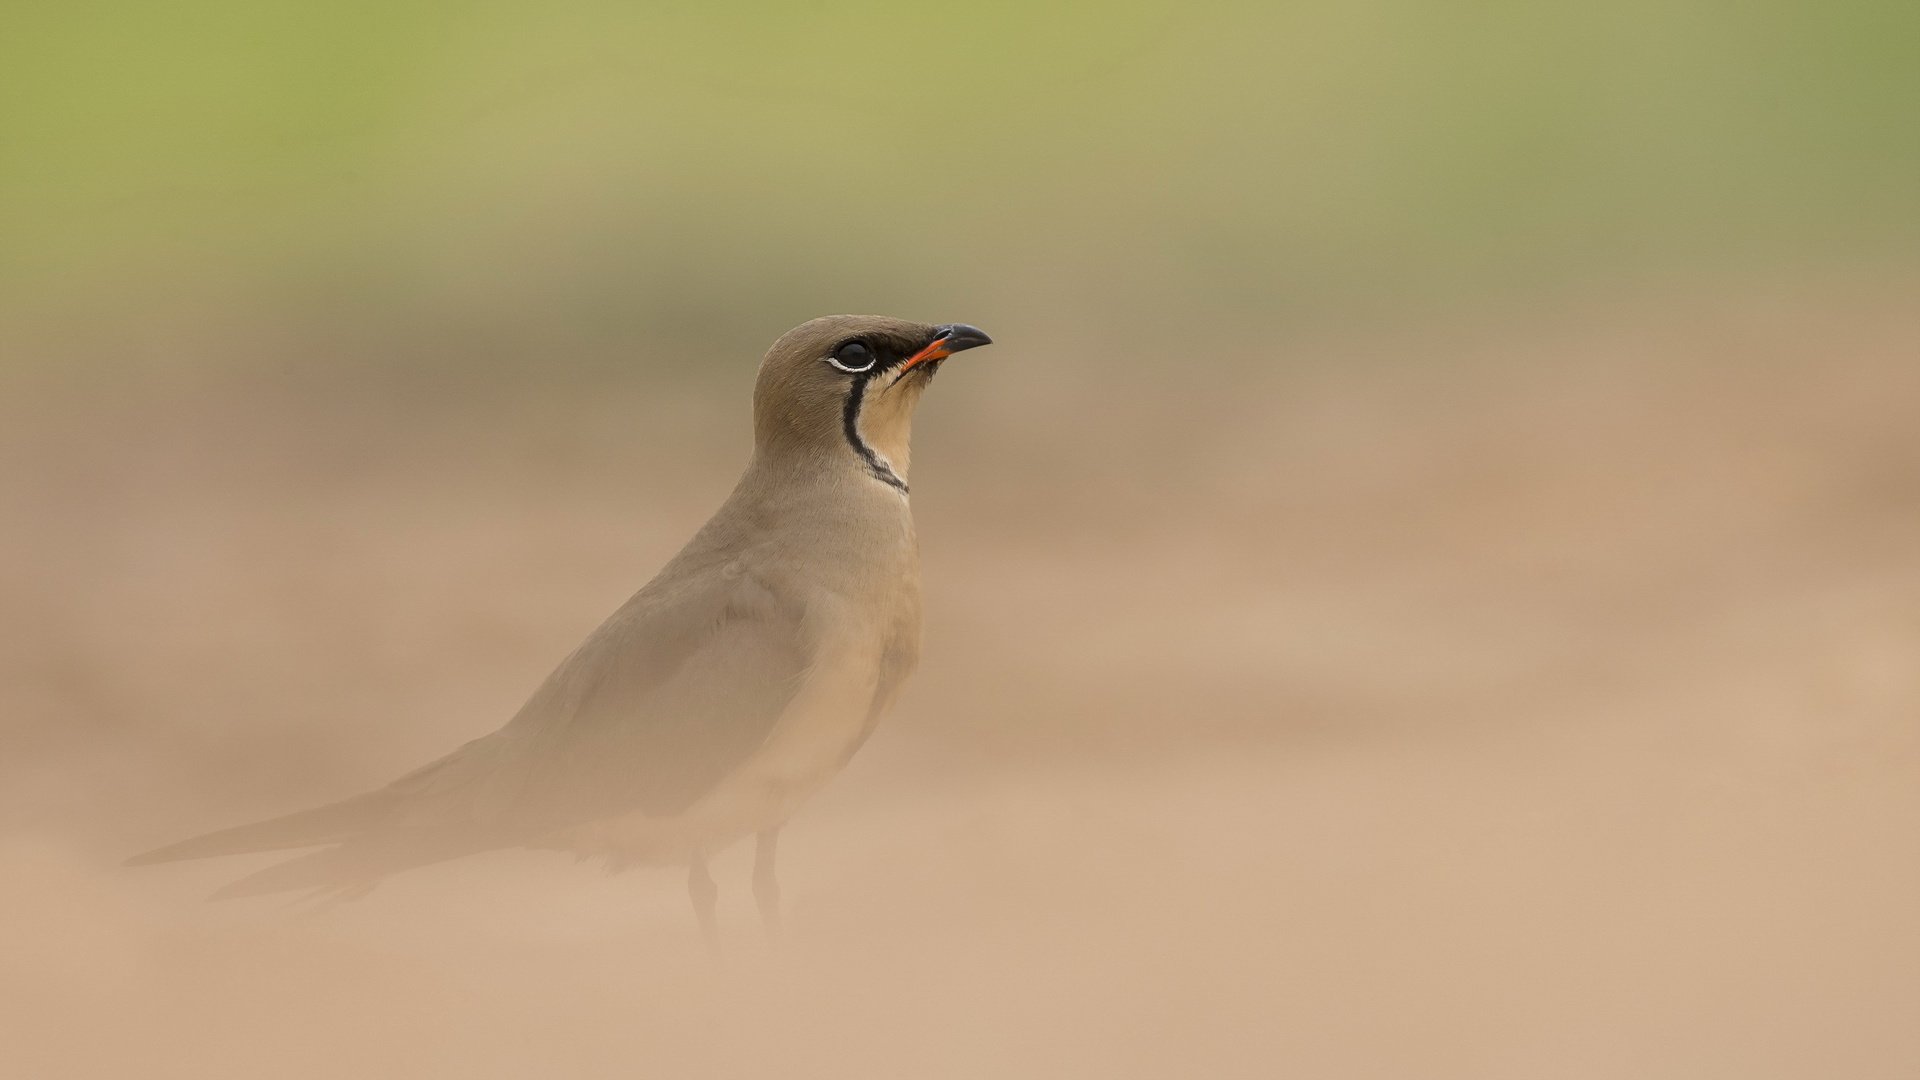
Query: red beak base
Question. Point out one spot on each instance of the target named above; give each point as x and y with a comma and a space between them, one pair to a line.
948, 339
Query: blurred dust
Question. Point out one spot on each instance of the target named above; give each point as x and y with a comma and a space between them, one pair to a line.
1530, 696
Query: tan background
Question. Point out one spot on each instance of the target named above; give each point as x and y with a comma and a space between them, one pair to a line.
1427, 583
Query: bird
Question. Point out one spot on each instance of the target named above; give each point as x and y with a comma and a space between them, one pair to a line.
721, 695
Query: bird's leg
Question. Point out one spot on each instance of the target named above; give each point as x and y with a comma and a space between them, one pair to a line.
704, 892
766, 887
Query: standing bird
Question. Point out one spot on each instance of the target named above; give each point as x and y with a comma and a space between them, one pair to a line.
712, 703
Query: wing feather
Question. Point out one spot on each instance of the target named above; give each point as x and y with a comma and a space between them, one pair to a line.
659, 704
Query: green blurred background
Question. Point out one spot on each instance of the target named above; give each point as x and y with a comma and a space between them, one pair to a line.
517, 186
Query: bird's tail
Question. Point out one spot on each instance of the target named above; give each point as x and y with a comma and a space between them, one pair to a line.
363, 842
348, 871
362, 839
328, 824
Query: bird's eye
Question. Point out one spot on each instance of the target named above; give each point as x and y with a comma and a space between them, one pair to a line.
853, 356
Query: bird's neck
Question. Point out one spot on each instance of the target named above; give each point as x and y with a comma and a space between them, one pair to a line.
868, 441
829, 481
852, 532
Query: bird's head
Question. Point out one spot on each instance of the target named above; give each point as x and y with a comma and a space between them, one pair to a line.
847, 385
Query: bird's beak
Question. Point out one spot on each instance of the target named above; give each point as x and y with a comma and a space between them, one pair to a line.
947, 340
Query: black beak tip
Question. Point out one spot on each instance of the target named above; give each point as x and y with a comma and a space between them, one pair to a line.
960, 337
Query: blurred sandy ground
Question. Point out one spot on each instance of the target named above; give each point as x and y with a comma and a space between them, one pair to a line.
1526, 695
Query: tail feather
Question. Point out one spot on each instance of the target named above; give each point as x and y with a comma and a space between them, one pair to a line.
361, 839
306, 828
351, 869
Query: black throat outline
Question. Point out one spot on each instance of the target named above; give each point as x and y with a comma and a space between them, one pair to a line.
850, 424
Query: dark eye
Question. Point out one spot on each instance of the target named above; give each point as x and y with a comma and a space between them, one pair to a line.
853, 356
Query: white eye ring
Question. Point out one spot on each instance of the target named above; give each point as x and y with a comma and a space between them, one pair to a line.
834, 360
